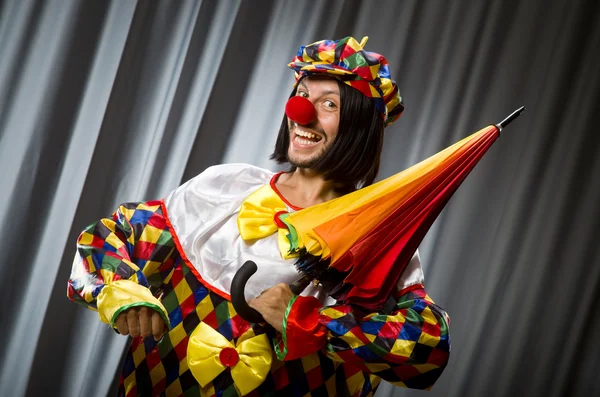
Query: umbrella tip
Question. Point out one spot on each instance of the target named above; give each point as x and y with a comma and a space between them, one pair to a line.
510, 118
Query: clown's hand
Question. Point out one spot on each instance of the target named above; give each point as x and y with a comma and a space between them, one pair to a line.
141, 321
272, 304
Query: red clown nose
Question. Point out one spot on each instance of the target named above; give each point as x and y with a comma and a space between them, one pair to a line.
300, 110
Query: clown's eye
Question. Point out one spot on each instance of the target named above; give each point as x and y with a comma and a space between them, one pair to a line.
302, 94
330, 104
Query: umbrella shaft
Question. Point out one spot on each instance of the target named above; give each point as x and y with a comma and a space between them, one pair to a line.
510, 118
300, 285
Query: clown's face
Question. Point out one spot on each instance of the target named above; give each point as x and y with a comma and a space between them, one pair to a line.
308, 143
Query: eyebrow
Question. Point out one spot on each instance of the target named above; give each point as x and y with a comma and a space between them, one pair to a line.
303, 85
331, 92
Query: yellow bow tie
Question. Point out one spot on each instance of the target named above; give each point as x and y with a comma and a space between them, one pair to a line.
256, 218
209, 353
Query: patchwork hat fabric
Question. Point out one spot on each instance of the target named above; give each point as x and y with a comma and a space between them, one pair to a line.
347, 61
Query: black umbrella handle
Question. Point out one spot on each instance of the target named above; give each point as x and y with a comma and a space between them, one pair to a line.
510, 118
238, 286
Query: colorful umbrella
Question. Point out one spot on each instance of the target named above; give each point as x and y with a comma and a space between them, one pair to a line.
370, 235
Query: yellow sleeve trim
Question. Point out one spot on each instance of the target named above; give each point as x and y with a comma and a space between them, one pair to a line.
121, 294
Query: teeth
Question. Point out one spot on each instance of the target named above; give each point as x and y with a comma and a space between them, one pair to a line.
304, 141
308, 135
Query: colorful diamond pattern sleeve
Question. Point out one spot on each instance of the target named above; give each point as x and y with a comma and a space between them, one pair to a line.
408, 347
119, 258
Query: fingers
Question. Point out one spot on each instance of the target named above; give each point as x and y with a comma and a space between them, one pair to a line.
144, 320
253, 303
132, 322
158, 326
121, 324
140, 321
272, 304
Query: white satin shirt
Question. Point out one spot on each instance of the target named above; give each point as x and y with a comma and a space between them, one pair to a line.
203, 213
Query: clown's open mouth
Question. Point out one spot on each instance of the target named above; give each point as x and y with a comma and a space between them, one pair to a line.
306, 138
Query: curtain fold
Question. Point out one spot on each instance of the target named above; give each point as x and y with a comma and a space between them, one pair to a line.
123, 100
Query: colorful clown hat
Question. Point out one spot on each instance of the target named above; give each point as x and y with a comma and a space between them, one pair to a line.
347, 61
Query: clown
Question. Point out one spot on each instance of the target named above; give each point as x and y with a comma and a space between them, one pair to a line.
164, 268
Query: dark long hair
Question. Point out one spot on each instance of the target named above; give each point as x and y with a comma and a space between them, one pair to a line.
353, 159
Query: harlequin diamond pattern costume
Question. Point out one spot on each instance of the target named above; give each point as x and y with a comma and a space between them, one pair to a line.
178, 256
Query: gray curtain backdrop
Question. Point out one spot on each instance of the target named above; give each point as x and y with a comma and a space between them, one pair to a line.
103, 102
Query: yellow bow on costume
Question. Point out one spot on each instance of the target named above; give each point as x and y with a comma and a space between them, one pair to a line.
256, 218
249, 367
